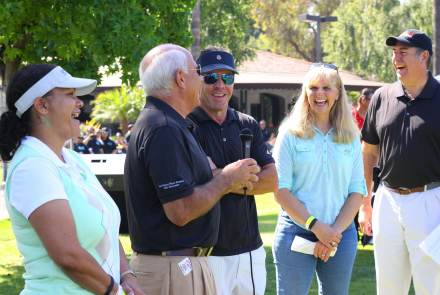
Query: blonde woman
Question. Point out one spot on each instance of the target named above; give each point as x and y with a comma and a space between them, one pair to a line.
321, 187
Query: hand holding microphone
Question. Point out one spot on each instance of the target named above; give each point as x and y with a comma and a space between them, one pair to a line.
242, 173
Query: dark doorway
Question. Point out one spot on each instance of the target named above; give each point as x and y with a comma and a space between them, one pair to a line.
234, 103
272, 109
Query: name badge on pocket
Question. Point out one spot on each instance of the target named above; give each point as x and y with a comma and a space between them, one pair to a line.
185, 266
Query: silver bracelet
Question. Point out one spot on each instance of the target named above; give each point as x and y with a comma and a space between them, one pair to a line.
130, 271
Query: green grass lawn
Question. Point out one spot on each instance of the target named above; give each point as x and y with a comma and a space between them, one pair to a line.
362, 282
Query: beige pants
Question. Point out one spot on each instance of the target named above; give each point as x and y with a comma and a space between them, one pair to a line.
162, 275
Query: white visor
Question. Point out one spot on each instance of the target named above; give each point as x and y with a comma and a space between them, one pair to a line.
57, 78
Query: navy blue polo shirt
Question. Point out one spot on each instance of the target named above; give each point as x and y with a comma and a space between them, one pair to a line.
108, 145
222, 144
81, 148
266, 134
95, 145
164, 163
407, 132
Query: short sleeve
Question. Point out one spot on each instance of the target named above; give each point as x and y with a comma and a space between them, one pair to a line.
283, 156
357, 181
169, 163
369, 131
34, 182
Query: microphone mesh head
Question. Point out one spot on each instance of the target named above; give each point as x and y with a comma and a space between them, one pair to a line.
246, 135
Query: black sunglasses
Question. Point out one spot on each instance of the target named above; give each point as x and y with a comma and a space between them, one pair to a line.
211, 78
321, 64
199, 69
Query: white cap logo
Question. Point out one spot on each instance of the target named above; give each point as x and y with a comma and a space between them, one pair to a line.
219, 57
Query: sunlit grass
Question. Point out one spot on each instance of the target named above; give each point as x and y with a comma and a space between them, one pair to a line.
362, 283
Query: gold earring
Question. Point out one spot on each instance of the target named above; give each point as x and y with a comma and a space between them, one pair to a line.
47, 121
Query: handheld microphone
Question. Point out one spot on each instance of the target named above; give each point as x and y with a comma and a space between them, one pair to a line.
246, 137
246, 141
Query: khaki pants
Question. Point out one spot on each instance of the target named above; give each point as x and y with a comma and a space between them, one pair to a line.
162, 275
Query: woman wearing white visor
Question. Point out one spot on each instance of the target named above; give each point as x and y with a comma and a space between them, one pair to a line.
65, 223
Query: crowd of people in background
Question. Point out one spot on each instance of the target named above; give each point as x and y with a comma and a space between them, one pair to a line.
100, 142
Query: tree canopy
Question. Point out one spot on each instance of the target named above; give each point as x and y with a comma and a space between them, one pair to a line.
357, 41
279, 20
83, 35
227, 23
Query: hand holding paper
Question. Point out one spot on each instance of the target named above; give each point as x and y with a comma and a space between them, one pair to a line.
305, 246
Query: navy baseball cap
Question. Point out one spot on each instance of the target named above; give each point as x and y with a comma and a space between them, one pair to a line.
216, 60
414, 38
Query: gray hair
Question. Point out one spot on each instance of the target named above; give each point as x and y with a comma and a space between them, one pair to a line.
157, 79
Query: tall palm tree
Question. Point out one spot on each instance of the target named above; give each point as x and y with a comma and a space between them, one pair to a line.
124, 103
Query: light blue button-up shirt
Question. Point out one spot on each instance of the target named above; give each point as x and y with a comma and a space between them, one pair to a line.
319, 172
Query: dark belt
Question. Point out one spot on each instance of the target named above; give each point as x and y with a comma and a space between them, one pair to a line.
407, 191
196, 251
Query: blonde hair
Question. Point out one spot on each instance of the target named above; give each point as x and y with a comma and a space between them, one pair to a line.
301, 120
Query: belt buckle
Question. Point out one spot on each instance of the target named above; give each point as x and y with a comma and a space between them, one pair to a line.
405, 189
199, 251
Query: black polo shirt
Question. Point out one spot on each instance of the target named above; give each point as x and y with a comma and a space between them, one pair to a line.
222, 144
108, 145
95, 145
407, 132
266, 134
164, 163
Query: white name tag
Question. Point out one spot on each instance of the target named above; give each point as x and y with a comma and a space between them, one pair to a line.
185, 266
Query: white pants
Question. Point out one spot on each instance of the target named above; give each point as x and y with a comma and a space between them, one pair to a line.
400, 224
232, 274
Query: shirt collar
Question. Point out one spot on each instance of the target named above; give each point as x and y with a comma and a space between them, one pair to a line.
43, 149
153, 102
428, 91
200, 115
319, 131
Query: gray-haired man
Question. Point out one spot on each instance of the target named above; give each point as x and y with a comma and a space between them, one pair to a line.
171, 193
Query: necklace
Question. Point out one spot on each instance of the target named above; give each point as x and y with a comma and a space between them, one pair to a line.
407, 94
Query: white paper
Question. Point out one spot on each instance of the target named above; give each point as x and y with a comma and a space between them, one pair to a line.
431, 245
305, 246
185, 266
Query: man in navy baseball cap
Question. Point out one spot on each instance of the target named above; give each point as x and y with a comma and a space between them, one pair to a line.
400, 134
414, 38
217, 128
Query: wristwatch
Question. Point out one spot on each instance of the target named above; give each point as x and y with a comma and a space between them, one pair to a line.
129, 272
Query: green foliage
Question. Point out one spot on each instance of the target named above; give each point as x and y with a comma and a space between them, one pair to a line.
353, 96
228, 24
83, 35
279, 20
357, 41
121, 103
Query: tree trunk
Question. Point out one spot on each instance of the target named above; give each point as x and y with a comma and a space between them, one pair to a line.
10, 67
436, 37
195, 26
124, 124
